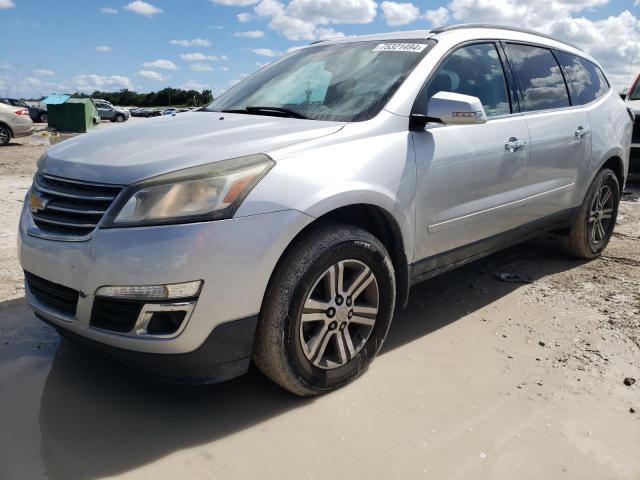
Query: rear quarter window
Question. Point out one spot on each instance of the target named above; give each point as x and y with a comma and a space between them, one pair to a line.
588, 81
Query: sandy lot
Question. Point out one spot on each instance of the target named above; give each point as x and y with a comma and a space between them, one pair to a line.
478, 379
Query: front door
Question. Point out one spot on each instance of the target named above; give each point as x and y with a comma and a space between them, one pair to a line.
471, 178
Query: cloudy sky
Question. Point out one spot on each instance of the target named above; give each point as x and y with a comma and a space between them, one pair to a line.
84, 45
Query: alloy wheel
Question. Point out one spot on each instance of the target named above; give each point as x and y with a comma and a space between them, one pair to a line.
4, 136
600, 214
339, 314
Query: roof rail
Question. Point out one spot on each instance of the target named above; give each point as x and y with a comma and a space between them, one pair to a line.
501, 27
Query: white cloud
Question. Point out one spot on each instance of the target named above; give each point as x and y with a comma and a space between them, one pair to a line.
143, 8
531, 13
197, 57
103, 48
150, 74
109, 11
201, 67
89, 83
193, 85
247, 17
161, 63
309, 19
195, 42
6, 66
613, 41
235, 3
399, 13
44, 71
224, 69
333, 11
250, 34
7, 4
438, 17
266, 52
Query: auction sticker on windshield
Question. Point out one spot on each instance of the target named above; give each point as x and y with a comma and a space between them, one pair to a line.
400, 47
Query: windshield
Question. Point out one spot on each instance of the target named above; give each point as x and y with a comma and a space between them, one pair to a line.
346, 82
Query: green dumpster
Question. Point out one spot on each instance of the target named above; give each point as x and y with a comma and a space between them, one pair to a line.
74, 115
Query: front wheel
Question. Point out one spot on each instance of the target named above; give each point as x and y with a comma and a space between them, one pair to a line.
119, 118
592, 227
43, 118
326, 311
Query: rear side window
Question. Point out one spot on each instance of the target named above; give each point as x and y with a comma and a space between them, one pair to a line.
539, 76
588, 81
473, 70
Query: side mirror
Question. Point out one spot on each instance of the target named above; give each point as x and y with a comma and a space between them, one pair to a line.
453, 109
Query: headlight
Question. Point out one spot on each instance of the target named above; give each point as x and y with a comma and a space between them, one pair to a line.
208, 192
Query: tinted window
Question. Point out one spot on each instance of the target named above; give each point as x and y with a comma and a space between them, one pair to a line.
540, 77
634, 94
474, 70
588, 81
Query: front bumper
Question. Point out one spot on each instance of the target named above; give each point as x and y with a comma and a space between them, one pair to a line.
234, 258
225, 354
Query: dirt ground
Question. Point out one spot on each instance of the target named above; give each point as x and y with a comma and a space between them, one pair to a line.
479, 379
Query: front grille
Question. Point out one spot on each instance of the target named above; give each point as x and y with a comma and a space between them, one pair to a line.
69, 207
117, 315
635, 138
52, 295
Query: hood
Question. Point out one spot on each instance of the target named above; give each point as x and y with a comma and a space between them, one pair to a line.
125, 154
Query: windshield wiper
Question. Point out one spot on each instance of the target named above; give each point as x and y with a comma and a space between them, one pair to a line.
286, 112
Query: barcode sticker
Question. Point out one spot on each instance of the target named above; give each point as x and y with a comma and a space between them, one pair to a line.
400, 47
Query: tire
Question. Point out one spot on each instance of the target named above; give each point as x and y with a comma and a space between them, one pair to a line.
43, 118
591, 229
119, 118
300, 285
5, 135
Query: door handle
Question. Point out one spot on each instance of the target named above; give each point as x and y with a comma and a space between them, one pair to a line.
514, 145
581, 132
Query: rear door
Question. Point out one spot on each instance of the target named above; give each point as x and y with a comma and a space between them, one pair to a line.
560, 135
470, 185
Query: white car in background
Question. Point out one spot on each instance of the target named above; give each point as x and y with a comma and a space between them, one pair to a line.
14, 122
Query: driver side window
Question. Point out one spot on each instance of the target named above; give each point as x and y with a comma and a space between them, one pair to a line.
474, 70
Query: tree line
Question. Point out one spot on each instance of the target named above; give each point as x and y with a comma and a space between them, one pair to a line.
166, 97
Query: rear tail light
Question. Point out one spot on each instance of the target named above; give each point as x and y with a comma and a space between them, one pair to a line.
24, 111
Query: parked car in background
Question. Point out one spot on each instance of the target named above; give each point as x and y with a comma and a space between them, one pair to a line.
37, 114
14, 122
109, 112
287, 222
633, 102
170, 111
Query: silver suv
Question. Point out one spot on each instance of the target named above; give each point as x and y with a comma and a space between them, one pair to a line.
287, 222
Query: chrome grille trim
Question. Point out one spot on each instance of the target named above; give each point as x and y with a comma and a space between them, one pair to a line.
72, 209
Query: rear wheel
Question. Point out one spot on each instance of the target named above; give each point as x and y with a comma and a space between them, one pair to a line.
5, 135
327, 310
43, 118
591, 230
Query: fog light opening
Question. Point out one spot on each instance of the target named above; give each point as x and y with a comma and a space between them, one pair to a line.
165, 323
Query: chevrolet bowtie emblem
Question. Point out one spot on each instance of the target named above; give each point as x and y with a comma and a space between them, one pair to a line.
36, 203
